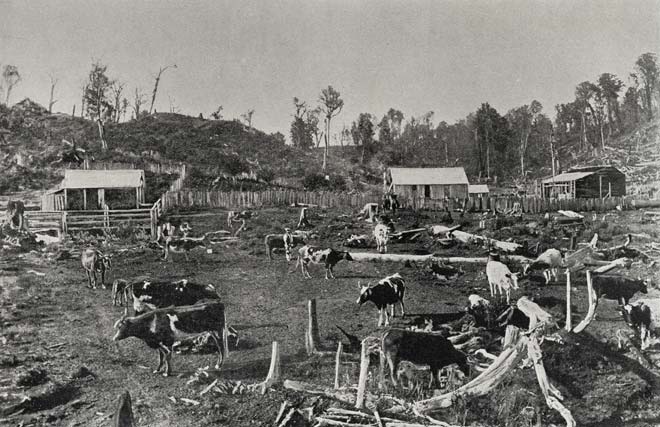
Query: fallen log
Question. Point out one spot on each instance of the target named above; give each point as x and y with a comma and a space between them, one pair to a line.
401, 234
564, 220
645, 203
369, 256
617, 263
571, 214
342, 395
440, 229
464, 237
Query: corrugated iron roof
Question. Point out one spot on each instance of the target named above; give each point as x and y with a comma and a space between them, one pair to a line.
428, 176
567, 177
120, 178
478, 188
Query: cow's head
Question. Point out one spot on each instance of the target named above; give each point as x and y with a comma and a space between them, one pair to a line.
626, 312
347, 256
514, 279
122, 326
526, 268
365, 293
107, 261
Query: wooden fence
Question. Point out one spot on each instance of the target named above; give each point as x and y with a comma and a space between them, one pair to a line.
66, 221
257, 199
239, 200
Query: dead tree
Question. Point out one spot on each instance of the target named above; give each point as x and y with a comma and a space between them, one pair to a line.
51, 101
153, 96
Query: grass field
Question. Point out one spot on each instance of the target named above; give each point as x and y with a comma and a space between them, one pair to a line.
55, 324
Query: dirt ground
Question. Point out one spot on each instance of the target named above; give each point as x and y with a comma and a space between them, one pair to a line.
56, 335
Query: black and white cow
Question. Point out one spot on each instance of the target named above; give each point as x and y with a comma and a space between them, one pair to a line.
153, 294
388, 291
161, 328
328, 256
184, 245
420, 348
643, 316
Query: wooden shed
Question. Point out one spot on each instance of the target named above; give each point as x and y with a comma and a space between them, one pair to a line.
478, 190
585, 182
428, 183
96, 189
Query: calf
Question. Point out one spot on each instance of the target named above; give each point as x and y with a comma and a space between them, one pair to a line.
94, 261
618, 288
381, 234
388, 291
421, 349
161, 328
549, 261
233, 216
328, 256
151, 295
120, 291
643, 316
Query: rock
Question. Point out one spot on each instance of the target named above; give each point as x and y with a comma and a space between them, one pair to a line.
82, 372
31, 377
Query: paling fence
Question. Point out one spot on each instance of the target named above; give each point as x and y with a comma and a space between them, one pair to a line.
257, 199
72, 221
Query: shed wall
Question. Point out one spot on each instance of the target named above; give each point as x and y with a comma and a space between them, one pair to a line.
590, 186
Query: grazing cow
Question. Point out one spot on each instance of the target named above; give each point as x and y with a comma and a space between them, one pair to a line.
184, 245
388, 291
477, 301
273, 241
151, 295
120, 291
161, 328
382, 234
500, 278
619, 288
420, 348
643, 316
94, 261
549, 261
328, 256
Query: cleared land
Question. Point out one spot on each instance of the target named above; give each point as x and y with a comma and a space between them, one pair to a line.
55, 324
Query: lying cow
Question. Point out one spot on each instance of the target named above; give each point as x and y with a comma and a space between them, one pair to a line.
328, 256
151, 295
161, 328
184, 245
619, 288
388, 291
420, 348
94, 261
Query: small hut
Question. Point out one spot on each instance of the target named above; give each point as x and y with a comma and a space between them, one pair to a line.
585, 182
429, 183
96, 189
478, 190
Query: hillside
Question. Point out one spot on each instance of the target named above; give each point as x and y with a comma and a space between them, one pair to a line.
34, 154
229, 155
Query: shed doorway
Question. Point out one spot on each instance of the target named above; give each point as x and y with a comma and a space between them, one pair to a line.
427, 191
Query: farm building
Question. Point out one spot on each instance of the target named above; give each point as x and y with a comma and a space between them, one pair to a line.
96, 189
585, 182
478, 190
427, 183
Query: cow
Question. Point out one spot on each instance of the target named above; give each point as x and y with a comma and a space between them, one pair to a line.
618, 288
549, 261
120, 291
94, 261
328, 256
381, 234
151, 295
420, 348
276, 241
387, 291
500, 278
644, 316
161, 328
184, 245
233, 216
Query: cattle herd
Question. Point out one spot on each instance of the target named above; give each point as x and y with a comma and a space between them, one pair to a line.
166, 311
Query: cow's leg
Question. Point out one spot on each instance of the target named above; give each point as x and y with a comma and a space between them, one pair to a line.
103, 278
167, 351
221, 353
380, 316
393, 364
93, 279
392, 311
403, 311
555, 274
161, 360
387, 317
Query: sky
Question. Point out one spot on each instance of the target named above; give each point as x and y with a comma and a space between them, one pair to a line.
417, 55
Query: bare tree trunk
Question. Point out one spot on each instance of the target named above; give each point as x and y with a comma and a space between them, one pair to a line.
51, 101
104, 144
325, 149
153, 96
